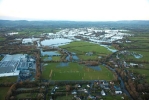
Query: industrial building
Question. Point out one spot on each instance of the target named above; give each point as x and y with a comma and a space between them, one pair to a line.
11, 65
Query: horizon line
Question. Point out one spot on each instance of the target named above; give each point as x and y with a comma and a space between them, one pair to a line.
74, 20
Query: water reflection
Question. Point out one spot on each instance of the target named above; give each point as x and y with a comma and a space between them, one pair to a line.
55, 42
63, 64
97, 68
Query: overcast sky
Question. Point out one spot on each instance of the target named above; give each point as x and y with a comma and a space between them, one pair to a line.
80, 10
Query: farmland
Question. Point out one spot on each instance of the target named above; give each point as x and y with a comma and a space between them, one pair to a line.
75, 71
81, 48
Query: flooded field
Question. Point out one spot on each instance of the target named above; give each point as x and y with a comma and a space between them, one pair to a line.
55, 42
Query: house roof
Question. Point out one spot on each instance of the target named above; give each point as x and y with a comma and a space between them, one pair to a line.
117, 88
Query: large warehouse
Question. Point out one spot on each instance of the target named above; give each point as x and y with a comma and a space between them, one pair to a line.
11, 65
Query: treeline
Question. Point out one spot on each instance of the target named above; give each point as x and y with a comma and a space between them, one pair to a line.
51, 26
14, 90
138, 90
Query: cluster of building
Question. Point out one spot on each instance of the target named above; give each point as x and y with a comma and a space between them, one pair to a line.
102, 88
93, 34
12, 65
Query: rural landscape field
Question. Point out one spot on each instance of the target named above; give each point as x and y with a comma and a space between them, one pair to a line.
79, 63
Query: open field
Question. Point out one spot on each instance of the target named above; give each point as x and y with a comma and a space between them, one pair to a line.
1, 58
8, 79
111, 97
56, 58
2, 38
3, 92
140, 71
69, 97
145, 56
29, 95
139, 44
81, 48
74, 71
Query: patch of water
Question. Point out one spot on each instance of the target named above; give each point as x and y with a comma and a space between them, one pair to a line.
50, 53
68, 58
95, 67
55, 42
63, 64
48, 58
138, 56
106, 46
75, 57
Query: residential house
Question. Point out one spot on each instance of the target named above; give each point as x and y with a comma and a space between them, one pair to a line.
117, 90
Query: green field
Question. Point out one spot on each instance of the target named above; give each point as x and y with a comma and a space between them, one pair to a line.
1, 58
74, 71
81, 48
141, 72
145, 55
56, 58
3, 92
8, 79
29, 95
2, 38
69, 97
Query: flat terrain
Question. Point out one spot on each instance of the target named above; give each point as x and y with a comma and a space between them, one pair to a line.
75, 71
8, 79
81, 48
3, 92
29, 95
139, 44
142, 72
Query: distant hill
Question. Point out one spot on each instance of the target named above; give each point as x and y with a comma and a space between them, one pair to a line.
128, 24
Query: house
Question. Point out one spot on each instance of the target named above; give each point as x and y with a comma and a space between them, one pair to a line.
74, 92
89, 53
117, 90
133, 64
88, 85
103, 93
104, 84
91, 97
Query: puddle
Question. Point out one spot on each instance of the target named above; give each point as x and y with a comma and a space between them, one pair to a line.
106, 46
63, 64
48, 58
97, 68
138, 56
50, 53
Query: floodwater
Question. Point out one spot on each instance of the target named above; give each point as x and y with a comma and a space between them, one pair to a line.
97, 68
50, 53
55, 42
136, 55
63, 64
106, 46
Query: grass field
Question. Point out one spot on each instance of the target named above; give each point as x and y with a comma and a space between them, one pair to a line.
1, 58
145, 55
74, 71
140, 43
2, 38
8, 79
29, 95
111, 97
56, 58
141, 72
81, 48
69, 97
3, 92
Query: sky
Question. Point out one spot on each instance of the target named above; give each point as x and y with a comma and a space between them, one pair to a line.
74, 10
